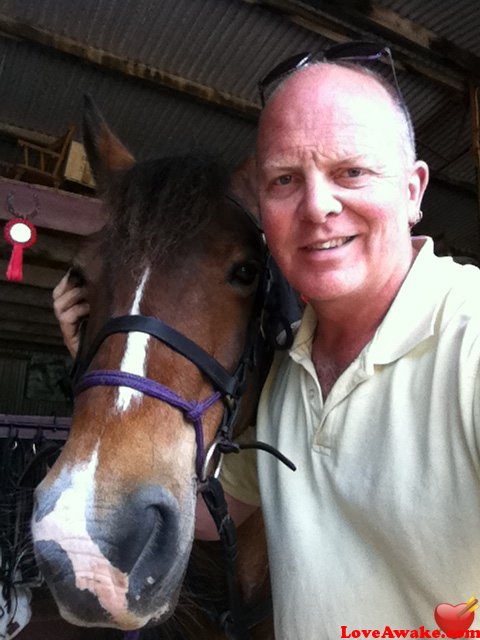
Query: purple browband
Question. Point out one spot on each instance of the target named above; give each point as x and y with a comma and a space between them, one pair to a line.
192, 409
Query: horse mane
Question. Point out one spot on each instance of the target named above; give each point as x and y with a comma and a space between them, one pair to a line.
157, 208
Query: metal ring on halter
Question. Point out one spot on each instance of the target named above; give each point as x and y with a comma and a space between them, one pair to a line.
208, 458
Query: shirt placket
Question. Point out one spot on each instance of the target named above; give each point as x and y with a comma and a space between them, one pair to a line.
325, 415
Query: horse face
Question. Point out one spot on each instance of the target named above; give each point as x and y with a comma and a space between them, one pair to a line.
114, 519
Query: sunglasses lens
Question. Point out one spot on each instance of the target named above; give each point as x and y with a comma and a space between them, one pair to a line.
352, 50
286, 66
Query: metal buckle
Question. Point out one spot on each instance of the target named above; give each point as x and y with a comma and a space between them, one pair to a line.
208, 457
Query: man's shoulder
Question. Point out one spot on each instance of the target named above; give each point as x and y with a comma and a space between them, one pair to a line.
457, 317
444, 285
463, 292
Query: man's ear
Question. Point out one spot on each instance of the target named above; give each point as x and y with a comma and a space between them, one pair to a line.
417, 184
244, 185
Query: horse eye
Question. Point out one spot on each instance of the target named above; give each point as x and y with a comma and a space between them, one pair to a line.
244, 273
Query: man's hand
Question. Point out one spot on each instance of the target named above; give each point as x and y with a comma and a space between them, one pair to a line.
70, 306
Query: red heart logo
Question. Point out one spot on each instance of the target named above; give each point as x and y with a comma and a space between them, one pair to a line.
448, 619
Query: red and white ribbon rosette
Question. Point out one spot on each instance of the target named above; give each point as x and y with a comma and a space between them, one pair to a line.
21, 234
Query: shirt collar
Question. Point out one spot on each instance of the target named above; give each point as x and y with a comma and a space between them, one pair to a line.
412, 315
302, 343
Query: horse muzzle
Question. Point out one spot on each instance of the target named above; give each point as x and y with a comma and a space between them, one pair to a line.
113, 566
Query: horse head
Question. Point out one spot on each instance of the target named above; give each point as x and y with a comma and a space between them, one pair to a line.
114, 518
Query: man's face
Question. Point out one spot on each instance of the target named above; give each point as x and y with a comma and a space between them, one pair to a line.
336, 190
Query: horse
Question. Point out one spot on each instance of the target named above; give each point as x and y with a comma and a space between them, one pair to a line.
113, 523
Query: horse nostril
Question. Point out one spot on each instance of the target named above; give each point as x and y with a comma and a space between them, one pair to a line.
142, 532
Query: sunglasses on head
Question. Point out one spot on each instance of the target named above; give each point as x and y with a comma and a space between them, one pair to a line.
349, 52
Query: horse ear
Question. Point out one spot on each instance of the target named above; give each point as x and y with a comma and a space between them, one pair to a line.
105, 152
244, 185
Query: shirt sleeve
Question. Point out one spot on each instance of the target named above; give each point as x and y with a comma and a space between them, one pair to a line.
239, 472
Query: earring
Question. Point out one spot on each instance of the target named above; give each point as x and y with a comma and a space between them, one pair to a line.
417, 218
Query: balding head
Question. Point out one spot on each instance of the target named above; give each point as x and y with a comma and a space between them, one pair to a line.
341, 84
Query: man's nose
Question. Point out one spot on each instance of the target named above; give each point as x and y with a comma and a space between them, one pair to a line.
320, 200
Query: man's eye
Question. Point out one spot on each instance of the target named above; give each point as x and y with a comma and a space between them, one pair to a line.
355, 172
283, 180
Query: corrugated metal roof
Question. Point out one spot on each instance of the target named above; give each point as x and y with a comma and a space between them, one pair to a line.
227, 44
458, 22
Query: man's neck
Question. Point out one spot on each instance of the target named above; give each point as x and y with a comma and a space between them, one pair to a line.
336, 345
344, 328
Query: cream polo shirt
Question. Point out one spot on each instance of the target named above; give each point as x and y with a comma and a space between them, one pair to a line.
381, 521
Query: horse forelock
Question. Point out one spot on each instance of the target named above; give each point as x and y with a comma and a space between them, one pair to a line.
158, 208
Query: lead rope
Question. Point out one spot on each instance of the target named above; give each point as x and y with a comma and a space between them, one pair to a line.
234, 621
231, 620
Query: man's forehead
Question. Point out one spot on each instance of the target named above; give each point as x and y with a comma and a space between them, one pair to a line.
331, 80
337, 135
323, 155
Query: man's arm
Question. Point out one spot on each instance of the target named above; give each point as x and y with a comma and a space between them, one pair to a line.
205, 528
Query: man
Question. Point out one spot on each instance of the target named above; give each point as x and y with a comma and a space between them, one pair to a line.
377, 402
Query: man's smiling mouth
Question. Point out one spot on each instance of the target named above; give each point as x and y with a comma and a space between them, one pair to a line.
334, 243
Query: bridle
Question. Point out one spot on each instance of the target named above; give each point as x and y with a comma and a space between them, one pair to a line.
228, 388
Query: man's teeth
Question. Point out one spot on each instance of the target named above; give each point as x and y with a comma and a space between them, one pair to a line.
330, 244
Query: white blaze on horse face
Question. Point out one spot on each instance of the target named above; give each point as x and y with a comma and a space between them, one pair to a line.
134, 357
66, 525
